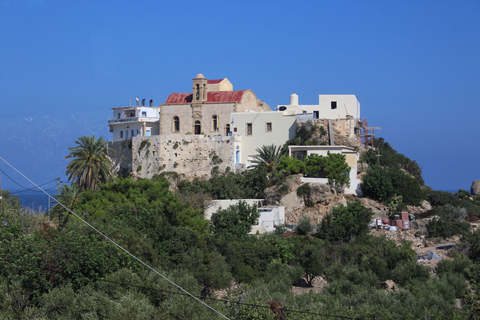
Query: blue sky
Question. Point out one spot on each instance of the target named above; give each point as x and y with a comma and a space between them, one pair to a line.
413, 65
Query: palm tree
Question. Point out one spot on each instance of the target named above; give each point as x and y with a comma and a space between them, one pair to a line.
268, 156
69, 197
91, 164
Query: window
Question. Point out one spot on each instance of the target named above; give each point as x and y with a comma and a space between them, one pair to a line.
138, 132
133, 132
214, 123
268, 127
198, 127
282, 108
153, 153
148, 133
300, 155
249, 129
176, 124
315, 114
126, 134
334, 105
227, 129
197, 92
144, 113
235, 129
118, 115
121, 134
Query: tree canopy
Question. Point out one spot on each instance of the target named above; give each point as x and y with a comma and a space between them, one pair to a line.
90, 164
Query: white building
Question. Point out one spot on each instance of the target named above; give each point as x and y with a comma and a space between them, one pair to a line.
134, 121
253, 130
330, 106
270, 216
351, 157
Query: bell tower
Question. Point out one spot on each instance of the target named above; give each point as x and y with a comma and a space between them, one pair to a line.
199, 89
198, 98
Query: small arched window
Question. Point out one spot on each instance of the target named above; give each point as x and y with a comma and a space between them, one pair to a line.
197, 92
215, 123
176, 124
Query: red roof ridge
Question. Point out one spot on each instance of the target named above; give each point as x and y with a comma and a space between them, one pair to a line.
212, 97
213, 81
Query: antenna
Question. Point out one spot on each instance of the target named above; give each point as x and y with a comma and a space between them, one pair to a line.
346, 111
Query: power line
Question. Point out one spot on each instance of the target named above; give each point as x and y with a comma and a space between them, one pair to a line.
26, 189
32, 190
116, 244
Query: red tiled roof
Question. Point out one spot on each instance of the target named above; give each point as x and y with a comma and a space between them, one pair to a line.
214, 96
215, 81
176, 98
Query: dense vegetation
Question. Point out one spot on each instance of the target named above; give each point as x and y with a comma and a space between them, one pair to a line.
72, 272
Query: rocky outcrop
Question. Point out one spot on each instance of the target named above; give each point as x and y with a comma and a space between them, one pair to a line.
286, 195
379, 210
475, 188
318, 193
274, 195
426, 205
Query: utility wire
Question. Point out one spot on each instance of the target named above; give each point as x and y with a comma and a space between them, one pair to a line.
117, 245
26, 189
32, 190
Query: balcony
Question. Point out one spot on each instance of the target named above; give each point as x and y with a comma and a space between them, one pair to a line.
133, 119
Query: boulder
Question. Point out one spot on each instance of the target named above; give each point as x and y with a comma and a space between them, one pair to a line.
274, 195
389, 286
318, 193
426, 205
475, 188
362, 168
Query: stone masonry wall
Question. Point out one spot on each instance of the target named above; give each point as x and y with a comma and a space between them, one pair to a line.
192, 156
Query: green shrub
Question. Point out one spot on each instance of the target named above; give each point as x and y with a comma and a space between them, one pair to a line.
450, 213
410, 271
304, 226
144, 143
377, 184
437, 228
313, 261
345, 223
390, 158
383, 184
291, 165
236, 221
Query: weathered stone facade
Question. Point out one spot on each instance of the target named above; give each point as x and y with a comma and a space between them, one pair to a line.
191, 156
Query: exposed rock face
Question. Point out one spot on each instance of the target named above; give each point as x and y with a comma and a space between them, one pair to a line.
379, 210
286, 195
318, 193
389, 286
362, 167
426, 205
475, 188
274, 195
